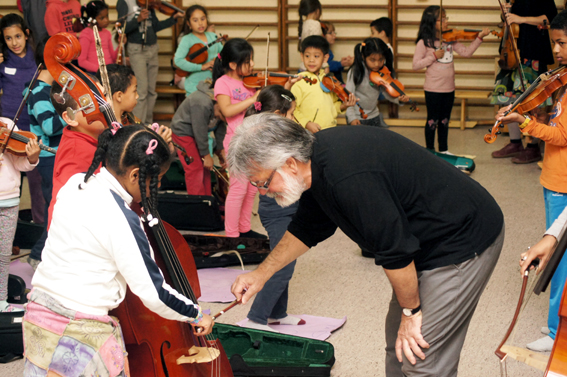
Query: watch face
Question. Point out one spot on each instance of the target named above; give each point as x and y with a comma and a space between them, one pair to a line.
407, 312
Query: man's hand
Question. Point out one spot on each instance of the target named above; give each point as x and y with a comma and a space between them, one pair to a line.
410, 341
247, 285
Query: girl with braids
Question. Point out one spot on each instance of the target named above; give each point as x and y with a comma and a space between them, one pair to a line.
95, 248
370, 56
95, 13
270, 305
437, 59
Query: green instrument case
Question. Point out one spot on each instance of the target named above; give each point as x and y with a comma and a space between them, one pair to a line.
261, 353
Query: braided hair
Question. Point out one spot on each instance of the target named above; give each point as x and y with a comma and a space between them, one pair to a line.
128, 148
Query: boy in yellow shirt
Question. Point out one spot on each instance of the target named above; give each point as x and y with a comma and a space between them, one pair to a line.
315, 109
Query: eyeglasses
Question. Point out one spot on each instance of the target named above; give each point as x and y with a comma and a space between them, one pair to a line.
266, 184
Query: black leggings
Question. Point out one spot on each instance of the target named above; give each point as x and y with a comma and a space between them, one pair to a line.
439, 106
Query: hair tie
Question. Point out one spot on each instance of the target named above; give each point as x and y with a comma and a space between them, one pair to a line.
286, 97
363, 44
151, 220
153, 145
258, 106
115, 127
155, 127
218, 56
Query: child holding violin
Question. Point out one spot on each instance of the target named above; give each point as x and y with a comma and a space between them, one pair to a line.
437, 58
270, 305
197, 21
95, 13
233, 64
141, 28
97, 248
317, 108
48, 126
369, 57
10, 168
553, 175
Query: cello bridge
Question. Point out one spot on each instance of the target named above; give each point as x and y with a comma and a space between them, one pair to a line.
199, 355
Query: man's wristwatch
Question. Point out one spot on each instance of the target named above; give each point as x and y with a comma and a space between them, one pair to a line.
525, 123
409, 312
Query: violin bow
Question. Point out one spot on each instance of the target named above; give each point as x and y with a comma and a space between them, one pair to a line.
21, 108
232, 305
252, 32
102, 64
516, 53
267, 60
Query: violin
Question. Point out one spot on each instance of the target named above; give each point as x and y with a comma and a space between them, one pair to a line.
120, 54
18, 141
330, 84
258, 80
456, 35
509, 56
161, 6
393, 87
156, 347
198, 54
540, 90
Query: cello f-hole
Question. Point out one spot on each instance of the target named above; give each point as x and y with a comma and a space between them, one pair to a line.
162, 357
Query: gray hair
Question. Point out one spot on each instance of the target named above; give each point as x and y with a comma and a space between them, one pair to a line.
266, 141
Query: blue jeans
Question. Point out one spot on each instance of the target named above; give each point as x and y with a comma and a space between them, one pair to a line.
271, 301
555, 203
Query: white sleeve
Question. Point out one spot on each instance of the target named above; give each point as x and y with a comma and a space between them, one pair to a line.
555, 228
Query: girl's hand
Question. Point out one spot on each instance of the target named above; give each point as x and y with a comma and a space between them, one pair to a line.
208, 162
1, 58
541, 250
347, 61
484, 33
439, 53
292, 80
510, 118
352, 100
32, 151
404, 98
312, 127
205, 326
178, 15
211, 28
144, 14
514, 19
208, 66
355, 122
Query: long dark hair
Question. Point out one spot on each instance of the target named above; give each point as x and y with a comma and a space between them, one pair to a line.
188, 13
365, 49
90, 12
128, 148
14, 19
236, 50
272, 98
306, 7
427, 30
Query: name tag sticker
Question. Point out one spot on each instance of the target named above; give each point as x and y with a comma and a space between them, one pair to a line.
18, 320
10, 71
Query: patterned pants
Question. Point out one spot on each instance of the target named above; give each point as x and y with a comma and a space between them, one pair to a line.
63, 342
8, 223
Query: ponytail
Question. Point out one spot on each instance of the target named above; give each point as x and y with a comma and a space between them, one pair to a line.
305, 8
236, 50
365, 49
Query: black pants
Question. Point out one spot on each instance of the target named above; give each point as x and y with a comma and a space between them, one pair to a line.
45, 168
439, 106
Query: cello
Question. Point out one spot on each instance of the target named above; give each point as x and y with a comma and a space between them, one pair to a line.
157, 347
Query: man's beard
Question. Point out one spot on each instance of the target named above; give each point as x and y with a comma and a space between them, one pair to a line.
294, 187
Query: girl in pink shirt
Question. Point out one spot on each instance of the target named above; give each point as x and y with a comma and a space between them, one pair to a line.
232, 64
95, 13
439, 85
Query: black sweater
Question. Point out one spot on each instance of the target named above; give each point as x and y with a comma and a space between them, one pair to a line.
393, 197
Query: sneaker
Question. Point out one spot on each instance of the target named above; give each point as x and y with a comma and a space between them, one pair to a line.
528, 156
252, 234
544, 344
510, 150
544, 330
447, 153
